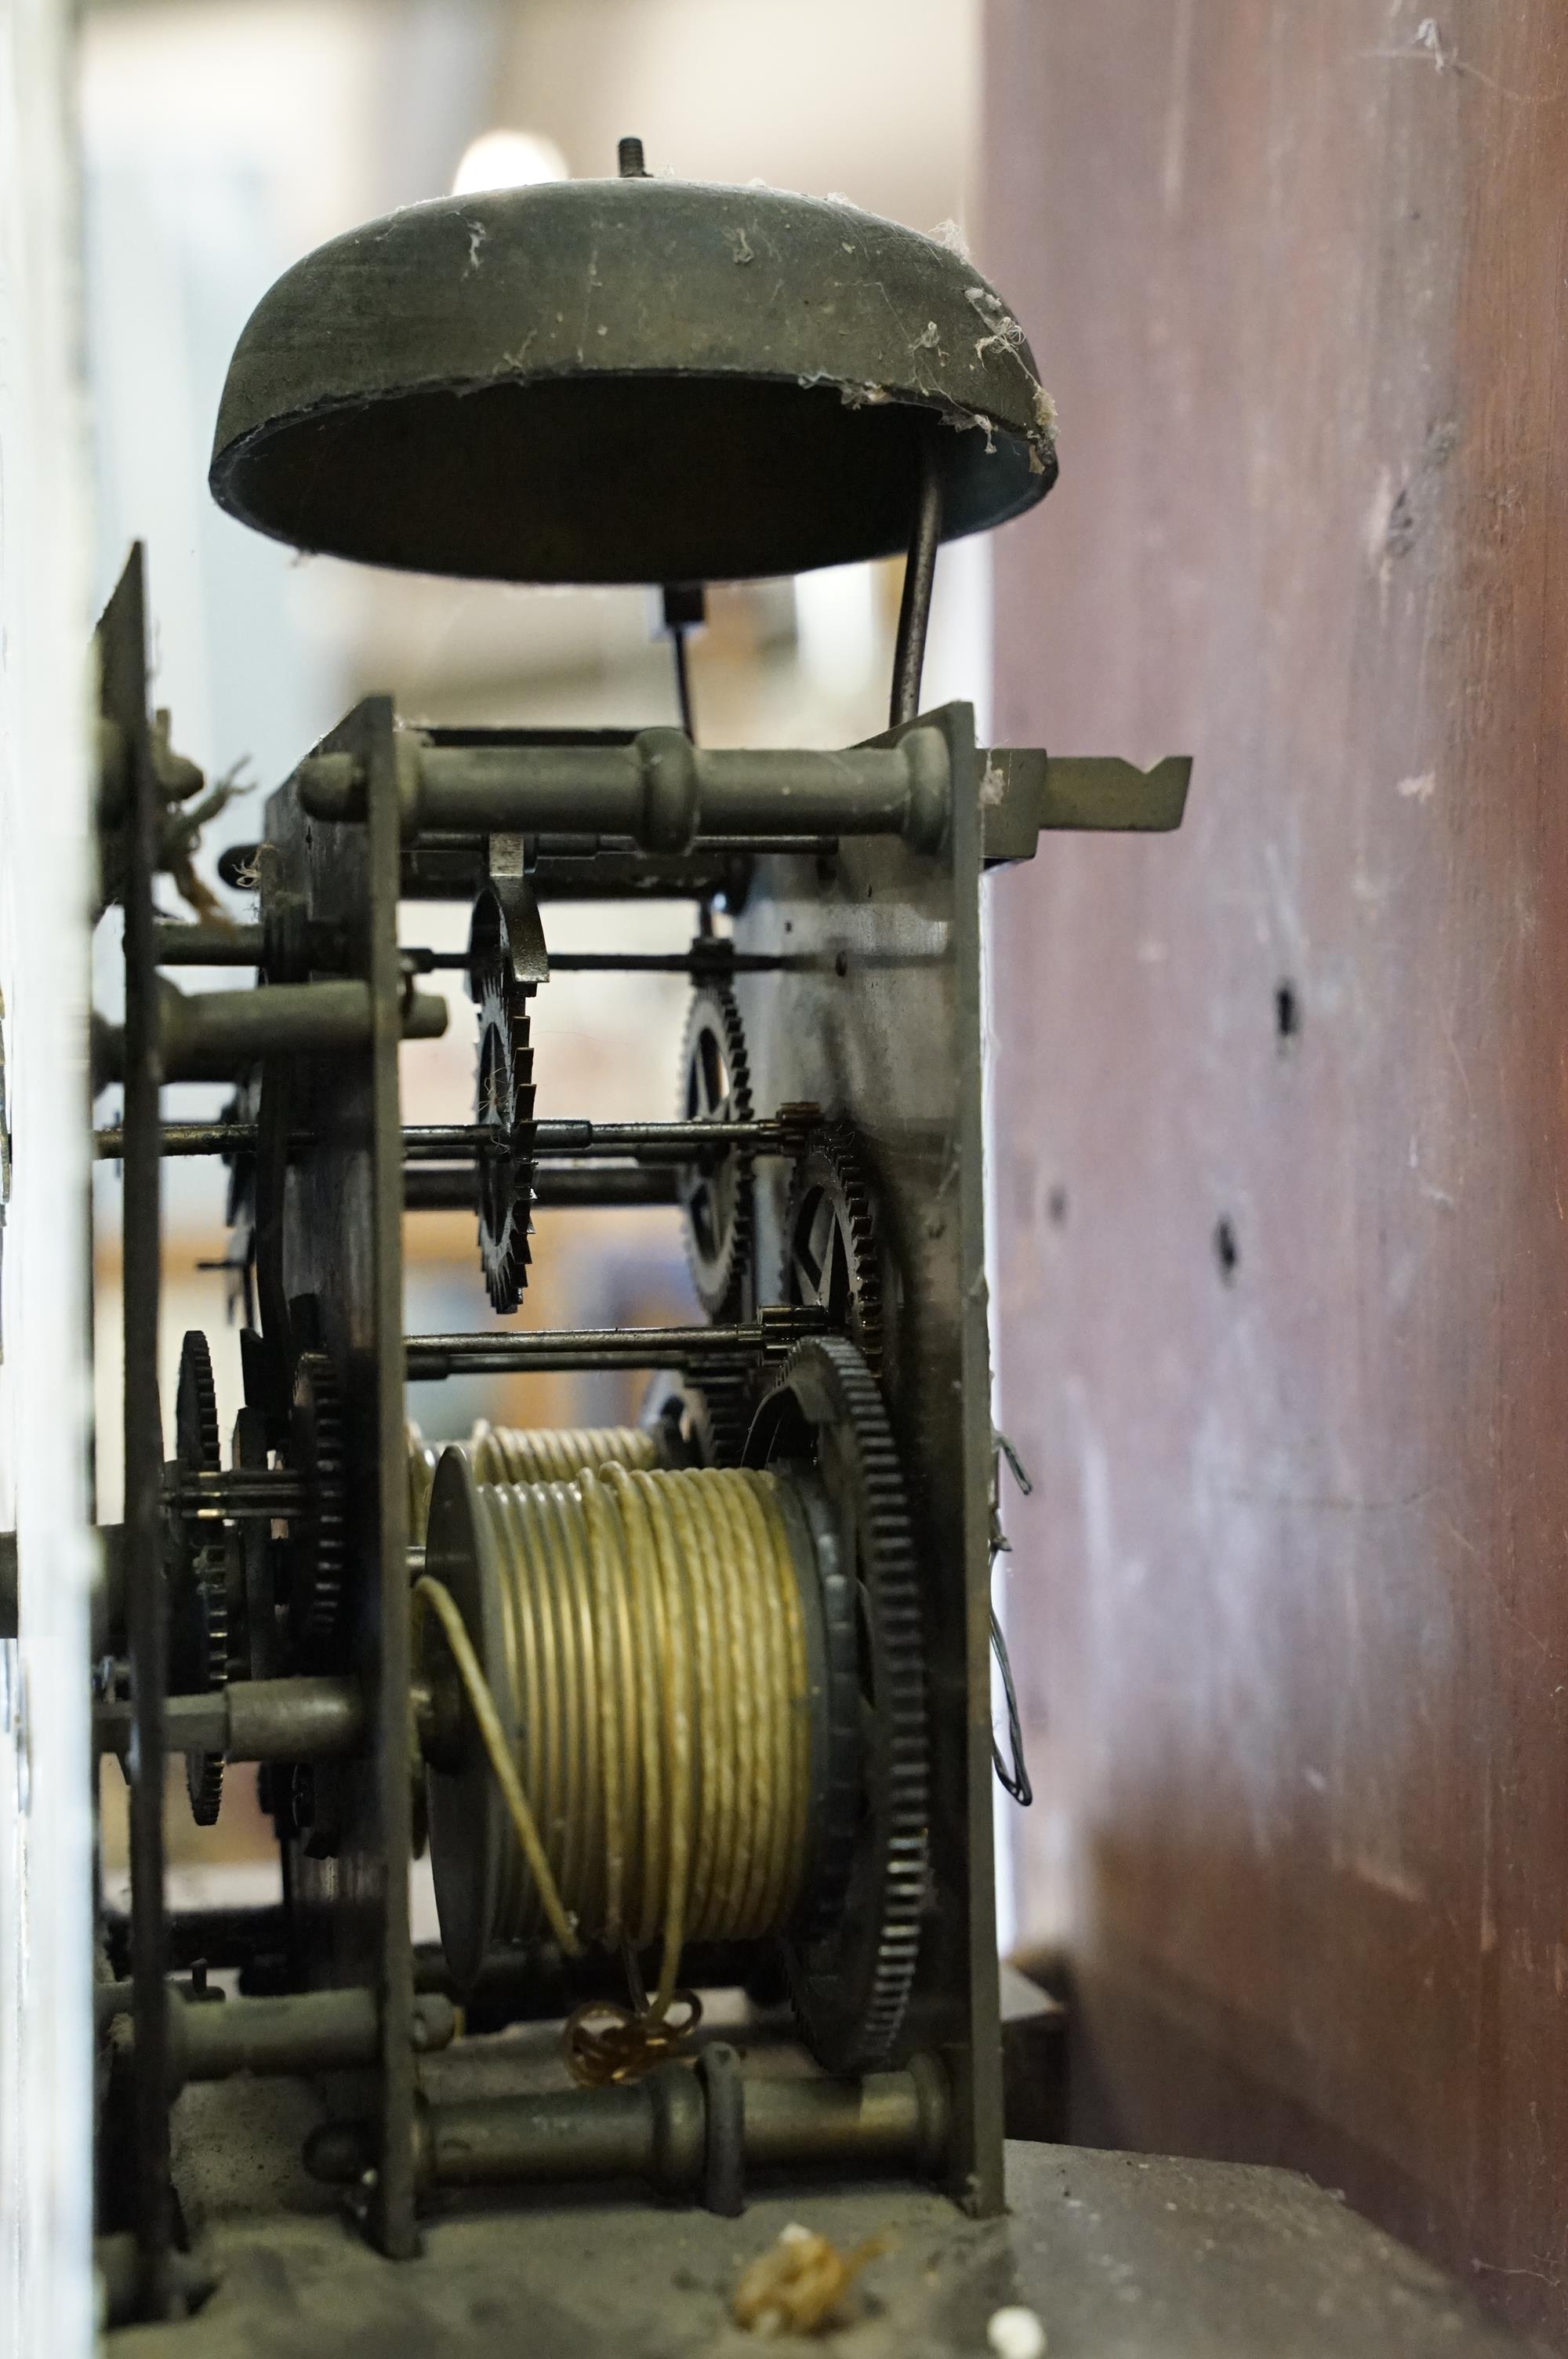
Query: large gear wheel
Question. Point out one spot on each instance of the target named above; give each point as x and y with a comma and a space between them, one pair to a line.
503, 1103
831, 1251
316, 1550
851, 1981
715, 1086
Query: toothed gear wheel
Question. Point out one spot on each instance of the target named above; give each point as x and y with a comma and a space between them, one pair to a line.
722, 1411
503, 1103
831, 1254
316, 1537
195, 1439
715, 1086
851, 1984
706, 1424
211, 1647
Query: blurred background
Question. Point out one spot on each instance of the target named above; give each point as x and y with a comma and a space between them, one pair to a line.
221, 140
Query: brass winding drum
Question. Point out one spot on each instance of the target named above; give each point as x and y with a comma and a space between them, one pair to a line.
709, 1688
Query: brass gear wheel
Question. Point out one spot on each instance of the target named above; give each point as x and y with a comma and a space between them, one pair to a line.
831, 1249
715, 1086
851, 1981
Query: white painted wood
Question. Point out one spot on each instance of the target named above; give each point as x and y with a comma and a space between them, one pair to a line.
46, 2044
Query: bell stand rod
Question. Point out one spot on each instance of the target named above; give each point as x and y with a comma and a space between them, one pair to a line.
919, 573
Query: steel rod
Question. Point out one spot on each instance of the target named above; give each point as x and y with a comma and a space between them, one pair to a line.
208, 1035
308, 2031
241, 1490
919, 574
513, 1348
301, 1718
661, 791
683, 681
303, 2031
443, 1142
180, 944
439, 1142
186, 1138
657, 2130
695, 963
176, 943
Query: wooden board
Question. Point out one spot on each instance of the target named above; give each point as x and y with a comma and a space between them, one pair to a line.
1120, 2258
1281, 1185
